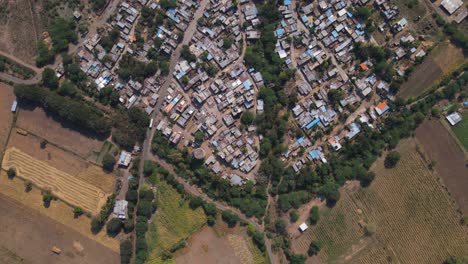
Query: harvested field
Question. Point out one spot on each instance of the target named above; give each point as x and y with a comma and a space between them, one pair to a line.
63, 185
31, 235
450, 160
442, 60
207, 247
20, 30
6, 117
58, 210
62, 160
422, 78
38, 123
221, 244
415, 219
174, 221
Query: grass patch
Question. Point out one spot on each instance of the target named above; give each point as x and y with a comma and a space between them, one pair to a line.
106, 148
461, 130
174, 221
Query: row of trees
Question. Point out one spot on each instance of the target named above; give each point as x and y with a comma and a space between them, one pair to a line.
77, 112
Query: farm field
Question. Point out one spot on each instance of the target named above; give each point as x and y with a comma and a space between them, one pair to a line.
221, 244
461, 130
31, 235
60, 212
413, 218
6, 256
174, 221
442, 60
207, 247
66, 187
450, 160
20, 29
37, 122
62, 160
6, 117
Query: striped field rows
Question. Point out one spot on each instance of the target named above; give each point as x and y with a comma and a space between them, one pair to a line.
64, 186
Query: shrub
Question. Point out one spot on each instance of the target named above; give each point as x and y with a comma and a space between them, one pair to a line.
392, 159
230, 218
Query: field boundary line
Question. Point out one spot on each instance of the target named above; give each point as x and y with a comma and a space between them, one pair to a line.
13, 125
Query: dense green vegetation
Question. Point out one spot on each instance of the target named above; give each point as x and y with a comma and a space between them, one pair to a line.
251, 199
62, 32
77, 112
6, 65
98, 4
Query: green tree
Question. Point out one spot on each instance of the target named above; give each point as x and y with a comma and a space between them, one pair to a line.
456, 260
367, 178
195, 202
247, 118
392, 159
314, 215
314, 248
11, 173
126, 250
77, 212
50, 79
114, 226
128, 225
294, 216
230, 217
108, 162
199, 136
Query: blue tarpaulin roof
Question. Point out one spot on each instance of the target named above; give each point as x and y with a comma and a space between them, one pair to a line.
313, 123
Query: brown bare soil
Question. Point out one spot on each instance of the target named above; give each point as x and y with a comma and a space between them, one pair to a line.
450, 159
6, 117
62, 160
58, 211
19, 32
442, 60
422, 78
37, 122
31, 236
207, 247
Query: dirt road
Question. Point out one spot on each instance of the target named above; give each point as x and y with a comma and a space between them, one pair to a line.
31, 235
15, 80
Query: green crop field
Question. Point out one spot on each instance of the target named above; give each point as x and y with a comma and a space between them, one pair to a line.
413, 218
174, 221
461, 130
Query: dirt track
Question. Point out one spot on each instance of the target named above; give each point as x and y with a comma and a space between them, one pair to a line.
32, 235
450, 159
